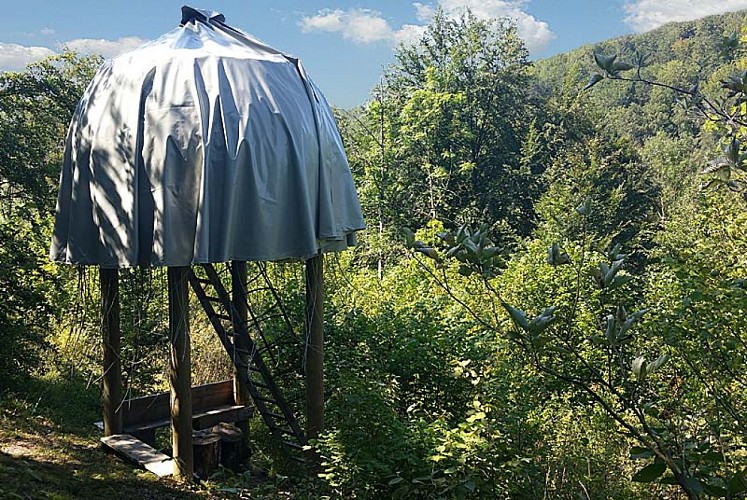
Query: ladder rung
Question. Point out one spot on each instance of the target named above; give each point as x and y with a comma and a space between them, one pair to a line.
275, 416
203, 281
261, 385
223, 317
213, 299
267, 400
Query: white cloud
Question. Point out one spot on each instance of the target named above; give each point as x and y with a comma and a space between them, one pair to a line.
107, 48
644, 15
424, 13
14, 57
369, 26
535, 33
357, 25
409, 33
47, 31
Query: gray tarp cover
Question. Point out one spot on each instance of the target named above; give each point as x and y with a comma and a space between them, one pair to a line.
205, 145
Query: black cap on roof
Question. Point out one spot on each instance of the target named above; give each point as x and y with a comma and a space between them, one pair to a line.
191, 14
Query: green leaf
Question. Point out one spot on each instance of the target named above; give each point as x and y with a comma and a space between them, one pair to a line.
595, 78
612, 272
695, 485
585, 207
409, 237
637, 452
556, 256
610, 333
518, 316
426, 250
619, 66
720, 167
732, 151
396, 480
470, 245
650, 473
639, 368
737, 484
447, 237
657, 363
604, 61
619, 281
401, 492
614, 254
538, 324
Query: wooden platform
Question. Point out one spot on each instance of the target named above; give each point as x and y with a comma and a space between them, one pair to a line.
145, 456
211, 404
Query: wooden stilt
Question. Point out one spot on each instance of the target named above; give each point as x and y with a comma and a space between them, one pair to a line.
241, 342
112, 390
238, 293
315, 346
180, 375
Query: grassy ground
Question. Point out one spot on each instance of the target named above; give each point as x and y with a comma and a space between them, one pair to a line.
49, 449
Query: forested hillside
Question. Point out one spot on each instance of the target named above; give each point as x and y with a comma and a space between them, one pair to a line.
549, 300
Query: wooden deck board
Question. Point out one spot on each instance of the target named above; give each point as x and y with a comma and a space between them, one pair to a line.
200, 419
136, 451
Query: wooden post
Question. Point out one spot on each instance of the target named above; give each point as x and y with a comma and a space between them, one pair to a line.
241, 343
315, 346
112, 391
238, 294
232, 445
180, 376
206, 452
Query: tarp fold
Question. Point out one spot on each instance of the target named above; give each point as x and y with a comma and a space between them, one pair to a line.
205, 145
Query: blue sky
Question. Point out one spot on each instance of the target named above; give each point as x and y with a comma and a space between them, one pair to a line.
343, 43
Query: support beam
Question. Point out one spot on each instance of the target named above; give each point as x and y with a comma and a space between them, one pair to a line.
314, 346
241, 342
180, 374
238, 295
110, 332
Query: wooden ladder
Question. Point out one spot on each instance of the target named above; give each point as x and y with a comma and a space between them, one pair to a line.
262, 353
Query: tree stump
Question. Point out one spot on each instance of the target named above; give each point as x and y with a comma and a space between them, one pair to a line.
233, 449
206, 450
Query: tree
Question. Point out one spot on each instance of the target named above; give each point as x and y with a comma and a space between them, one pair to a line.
463, 112
723, 113
36, 106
